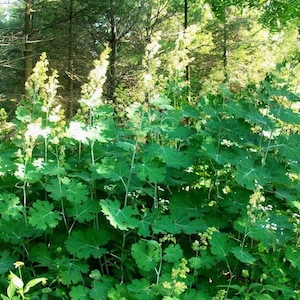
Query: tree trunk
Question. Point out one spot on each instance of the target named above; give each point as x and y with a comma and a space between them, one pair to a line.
225, 45
71, 60
186, 12
113, 54
28, 62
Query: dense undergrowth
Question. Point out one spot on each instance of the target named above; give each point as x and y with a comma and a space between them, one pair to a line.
197, 201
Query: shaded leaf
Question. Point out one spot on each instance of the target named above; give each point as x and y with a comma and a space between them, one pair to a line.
6, 261
147, 254
204, 261
173, 253
220, 245
101, 287
79, 292
70, 271
142, 289
87, 243
16, 231
145, 223
243, 255
82, 212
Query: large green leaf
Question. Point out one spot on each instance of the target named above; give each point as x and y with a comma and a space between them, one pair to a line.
190, 203
288, 146
293, 255
243, 255
151, 170
184, 223
17, 231
41, 253
219, 155
87, 243
286, 115
10, 206
101, 287
170, 156
114, 169
164, 224
145, 223
178, 223
6, 261
272, 230
249, 174
204, 261
79, 292
147, 254
69, 188
43, 215
221, 246
83, 212
120, 218
142, 289
70, 270
173, 253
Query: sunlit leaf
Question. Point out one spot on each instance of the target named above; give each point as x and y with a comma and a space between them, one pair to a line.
43, 215
10, 206
114, 169
170, 156
68, 188
288, 146
249, 174
150, 170
121, 218
293, 255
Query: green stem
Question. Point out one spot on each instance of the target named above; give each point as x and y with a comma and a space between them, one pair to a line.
122, 258
60, 191
130, 174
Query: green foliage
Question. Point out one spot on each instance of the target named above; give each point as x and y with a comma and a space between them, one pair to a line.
193, 201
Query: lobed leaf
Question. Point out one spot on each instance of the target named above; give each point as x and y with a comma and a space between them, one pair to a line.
123, 219
41, 215
87, 243
147, 254
243, 255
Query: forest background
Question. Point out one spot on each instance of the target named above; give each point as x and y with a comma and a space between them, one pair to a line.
149, 149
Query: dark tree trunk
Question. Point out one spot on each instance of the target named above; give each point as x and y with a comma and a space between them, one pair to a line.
71, 60
28, 61
186, 13
112, 76
225, 45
